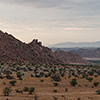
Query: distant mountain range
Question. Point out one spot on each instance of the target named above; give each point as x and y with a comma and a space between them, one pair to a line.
78, 44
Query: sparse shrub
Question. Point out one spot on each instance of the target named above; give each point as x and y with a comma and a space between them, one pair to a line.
86, 85
20, 78
31, 89
92, 86
62, 74
56, 78
42, 74
55, 98
69, 76
95, 76
73, 74
90, 73
19, 75
56, 84
35, 97
4, 83
2, 77
8, 76
55, 90
42, 80
96, 83
37, 76
66, 89
98, 91
63, 96
7, 91
84, 75
30, 69
32, 75
12, 83
46, 75
19, 91
78, 99
89, 79
26, 89
73, 82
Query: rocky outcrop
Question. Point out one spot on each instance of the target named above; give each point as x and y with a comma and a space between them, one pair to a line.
13, 50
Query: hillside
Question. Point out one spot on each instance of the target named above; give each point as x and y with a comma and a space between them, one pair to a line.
89, 53
12, 50
69, 58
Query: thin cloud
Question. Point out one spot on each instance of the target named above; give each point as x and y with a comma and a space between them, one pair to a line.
77, 28
48, 18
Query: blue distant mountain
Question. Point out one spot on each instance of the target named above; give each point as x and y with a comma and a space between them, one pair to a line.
78, 44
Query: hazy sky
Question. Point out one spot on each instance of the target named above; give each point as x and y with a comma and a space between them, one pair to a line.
51, 21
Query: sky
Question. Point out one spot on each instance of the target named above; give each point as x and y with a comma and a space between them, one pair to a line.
51, 21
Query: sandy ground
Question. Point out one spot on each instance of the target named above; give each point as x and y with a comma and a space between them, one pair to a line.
45, 90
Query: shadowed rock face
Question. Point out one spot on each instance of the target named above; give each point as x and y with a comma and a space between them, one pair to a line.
13, 50
69, 58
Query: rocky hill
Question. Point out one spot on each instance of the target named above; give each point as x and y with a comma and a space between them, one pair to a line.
12, 50
89, 53
69, 58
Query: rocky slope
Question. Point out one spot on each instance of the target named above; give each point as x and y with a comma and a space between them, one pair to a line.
69, 58
12, 50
